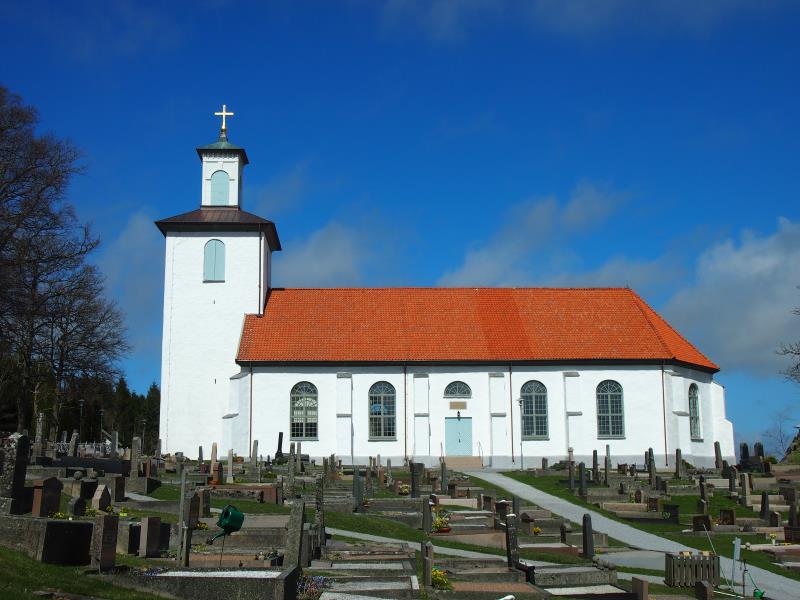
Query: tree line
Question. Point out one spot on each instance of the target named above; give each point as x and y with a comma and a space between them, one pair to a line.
61, 338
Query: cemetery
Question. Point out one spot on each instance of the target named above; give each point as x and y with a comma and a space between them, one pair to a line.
291, 526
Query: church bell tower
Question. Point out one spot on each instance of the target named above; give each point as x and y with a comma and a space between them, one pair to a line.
217, 269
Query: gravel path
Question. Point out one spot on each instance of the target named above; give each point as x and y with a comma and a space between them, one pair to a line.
776, 586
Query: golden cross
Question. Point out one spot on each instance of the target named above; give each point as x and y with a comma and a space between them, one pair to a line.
223, 114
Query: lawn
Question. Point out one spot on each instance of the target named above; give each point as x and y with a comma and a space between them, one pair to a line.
22, 576
722, 543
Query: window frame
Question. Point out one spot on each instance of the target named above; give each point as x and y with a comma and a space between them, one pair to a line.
532, 394
296, 395
217, 243
695, 428
384, 397
609, 414
212, 184
448, 393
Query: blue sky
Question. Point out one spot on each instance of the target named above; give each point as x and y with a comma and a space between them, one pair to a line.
650, 144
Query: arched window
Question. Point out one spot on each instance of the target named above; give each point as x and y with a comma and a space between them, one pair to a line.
304, 411
694, 412
214, 261
220, 188
457, 389
610, 413
534, 410
382, 411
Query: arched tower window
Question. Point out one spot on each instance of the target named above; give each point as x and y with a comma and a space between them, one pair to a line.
694, 412
214, 261
534, 410
382, 413
610, 410
457, 389
220, 188
303, 424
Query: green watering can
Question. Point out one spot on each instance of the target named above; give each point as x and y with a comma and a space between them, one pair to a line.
229, 521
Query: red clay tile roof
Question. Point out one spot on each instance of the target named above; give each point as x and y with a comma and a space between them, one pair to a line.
461, 325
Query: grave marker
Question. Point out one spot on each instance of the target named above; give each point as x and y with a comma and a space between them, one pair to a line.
103, 550
229, 477
678, 464
417, 470
102, 498
279, 451
582, 480
717, 455
764, 513
149, 536
77, 507
319, 509
512, 543
46, 496
13, 467
587, 536
294, 537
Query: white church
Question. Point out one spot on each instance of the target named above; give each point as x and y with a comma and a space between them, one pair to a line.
505, 376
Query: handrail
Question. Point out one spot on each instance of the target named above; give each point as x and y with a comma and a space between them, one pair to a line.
441, 451
480, 452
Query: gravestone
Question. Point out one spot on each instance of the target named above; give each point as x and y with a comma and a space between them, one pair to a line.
758, 450
229, 477
290, 473
185, 544
651, 468
417, 470
774, 519
46, 496
587, 536
389, 467
114, 444
427, 515
319, 509
562, 531
204, 494
443, 478
744, 453
512, 543
637, 496
703, 495
672, 512
213, 457
582, 480
191, 509
501, 509
727, 516
544, 464
595, 467
199, 455
358, 494
279, 451
793, 515
294, 536
732, 474
701, 523
76, 507
745, 491
136, 456
13, 467
678, 464
298, 458
427, 564
369, 491
606, 467
254, 454
103, 551
73, 445
640, 588
38, 443
703, 590
101, 499
764, 513
717, 455
571, 475
149, 536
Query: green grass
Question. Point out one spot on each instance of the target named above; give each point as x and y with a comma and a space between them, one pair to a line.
722, 543
22, 576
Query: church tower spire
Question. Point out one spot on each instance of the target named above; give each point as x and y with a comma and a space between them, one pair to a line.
223, 164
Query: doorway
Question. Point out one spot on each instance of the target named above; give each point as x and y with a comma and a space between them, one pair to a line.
458, 436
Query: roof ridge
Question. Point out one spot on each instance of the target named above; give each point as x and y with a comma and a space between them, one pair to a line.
444, 288
638, 301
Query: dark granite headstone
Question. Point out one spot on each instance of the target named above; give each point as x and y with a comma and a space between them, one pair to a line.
703, 590
101, 499
701, 523
671, 512
571, 468
587, 536
764, 513
744, 453
774, 519
732, 476
544, 464
717, 455
46, 496
582, 480
758, 450
358, 492
417, 470
793, 515
77, 507
678, 464
104, 542
595, 467
444, 477
512, 543
702, 506
279, 451
727, 516
427, 515
149, 536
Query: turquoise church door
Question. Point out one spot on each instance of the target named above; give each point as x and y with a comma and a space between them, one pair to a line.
458, 436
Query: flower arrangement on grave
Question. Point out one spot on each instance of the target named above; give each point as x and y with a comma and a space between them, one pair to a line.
439, 579
311, 588
404, 490
441, 522
773, 537
536, 530
201, 526
58, 515
123, 512
109, 509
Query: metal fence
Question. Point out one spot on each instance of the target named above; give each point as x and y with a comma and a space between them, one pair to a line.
684, 570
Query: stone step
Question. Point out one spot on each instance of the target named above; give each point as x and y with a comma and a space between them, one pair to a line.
464, 462
488, 573
624, 507
371, 567
570, 576
462, 527
377, 587
592, 591
772, 507
635, 515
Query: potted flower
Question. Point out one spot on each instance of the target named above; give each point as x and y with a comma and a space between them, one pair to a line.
441, 524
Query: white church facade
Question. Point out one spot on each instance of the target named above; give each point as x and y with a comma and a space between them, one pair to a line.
507, 375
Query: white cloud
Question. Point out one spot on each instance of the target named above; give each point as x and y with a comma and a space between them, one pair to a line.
281, 193
738, 308
332, 256
133, 264
451, 20
533, 238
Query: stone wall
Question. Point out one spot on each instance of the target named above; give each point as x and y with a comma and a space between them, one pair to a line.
48, 540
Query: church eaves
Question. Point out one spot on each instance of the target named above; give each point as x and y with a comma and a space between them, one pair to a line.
462, 325
221, 218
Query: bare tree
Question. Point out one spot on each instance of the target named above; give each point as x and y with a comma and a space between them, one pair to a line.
780, 433
54, 321
792, 350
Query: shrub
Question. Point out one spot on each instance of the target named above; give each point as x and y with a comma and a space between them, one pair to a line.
311, 588
439, 579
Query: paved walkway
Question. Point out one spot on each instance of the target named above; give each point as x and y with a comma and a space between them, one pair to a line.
776, 586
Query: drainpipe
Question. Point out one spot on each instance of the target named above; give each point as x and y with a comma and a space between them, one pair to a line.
250, 440
511, 409
664, 410
405, 411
